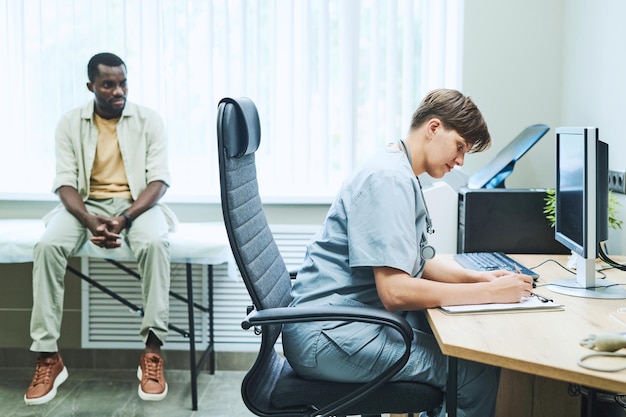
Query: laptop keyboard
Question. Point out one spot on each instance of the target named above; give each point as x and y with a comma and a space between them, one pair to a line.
489, 261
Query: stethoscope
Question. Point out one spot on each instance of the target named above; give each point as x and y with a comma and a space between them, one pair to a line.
426, 251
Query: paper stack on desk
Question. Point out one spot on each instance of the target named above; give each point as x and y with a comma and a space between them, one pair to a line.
527, 304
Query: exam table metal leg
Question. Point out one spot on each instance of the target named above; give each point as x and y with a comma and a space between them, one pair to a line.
175, 295
209, 353
192, 340
211, 324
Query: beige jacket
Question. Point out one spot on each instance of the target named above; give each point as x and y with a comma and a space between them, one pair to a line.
143, 144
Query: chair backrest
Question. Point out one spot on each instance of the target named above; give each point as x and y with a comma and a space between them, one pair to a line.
258, 258
261, 266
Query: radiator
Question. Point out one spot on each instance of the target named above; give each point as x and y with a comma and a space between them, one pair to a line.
107, 324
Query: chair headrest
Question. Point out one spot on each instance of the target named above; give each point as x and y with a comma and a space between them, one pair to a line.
239, 126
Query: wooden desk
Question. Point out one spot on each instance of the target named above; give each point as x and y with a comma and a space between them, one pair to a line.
537, 343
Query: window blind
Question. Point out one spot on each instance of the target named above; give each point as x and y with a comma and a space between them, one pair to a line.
334, 80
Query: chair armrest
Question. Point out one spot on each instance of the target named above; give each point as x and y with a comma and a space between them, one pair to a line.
283, 315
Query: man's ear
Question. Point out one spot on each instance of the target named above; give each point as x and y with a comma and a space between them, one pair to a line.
433, 125
90, 87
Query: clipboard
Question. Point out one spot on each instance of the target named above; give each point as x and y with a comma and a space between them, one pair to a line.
527, 304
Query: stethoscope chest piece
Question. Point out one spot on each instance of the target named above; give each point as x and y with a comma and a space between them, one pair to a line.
427, 252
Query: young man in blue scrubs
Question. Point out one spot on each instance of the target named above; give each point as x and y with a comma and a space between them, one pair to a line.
373, 251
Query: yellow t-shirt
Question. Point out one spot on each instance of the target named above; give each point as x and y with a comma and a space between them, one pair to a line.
108, 176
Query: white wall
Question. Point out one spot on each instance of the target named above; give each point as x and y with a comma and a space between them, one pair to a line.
558, 62
512, 69
594, 81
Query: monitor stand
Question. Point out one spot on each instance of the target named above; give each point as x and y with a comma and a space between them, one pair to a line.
586, 284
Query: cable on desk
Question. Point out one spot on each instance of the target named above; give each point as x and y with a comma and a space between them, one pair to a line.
602, 255
605, 345
598, 287
600, 272
608, 260
581, 361
556, 262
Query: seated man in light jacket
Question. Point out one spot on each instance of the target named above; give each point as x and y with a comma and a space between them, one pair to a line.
111, 172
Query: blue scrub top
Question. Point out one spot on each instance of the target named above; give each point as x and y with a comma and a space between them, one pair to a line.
377, 219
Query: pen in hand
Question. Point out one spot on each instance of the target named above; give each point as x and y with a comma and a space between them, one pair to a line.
532, 294
541, 298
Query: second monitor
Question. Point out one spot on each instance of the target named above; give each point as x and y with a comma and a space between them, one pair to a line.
505, 220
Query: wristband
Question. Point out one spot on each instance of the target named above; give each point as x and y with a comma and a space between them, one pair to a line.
128, 220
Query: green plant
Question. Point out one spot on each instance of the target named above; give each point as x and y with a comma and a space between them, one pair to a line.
550, 209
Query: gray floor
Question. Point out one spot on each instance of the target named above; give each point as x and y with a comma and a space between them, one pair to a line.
113, 393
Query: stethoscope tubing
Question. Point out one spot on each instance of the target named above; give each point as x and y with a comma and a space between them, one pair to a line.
426, 251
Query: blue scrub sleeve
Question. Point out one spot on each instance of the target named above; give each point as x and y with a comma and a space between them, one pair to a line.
382, 223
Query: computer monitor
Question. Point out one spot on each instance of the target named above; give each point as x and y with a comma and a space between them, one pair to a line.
495, 172
582, 199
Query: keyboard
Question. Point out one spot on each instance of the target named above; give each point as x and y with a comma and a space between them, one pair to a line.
489, 261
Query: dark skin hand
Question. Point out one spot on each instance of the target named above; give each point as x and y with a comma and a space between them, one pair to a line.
106, 231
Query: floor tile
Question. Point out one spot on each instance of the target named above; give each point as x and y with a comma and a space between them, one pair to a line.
113, 393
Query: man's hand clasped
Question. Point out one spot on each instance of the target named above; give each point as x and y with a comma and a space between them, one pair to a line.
106, 232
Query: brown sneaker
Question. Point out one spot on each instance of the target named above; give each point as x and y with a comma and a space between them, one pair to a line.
150, 372
49, 374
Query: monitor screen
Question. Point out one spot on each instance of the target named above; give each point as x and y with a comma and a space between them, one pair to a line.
581, 190
582, 201
571, 189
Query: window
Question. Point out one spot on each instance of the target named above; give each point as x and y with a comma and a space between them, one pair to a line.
334, 80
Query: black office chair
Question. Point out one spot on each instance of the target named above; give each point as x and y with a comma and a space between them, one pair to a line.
271, 387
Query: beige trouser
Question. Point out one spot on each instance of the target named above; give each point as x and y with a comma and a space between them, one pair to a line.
64, 236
